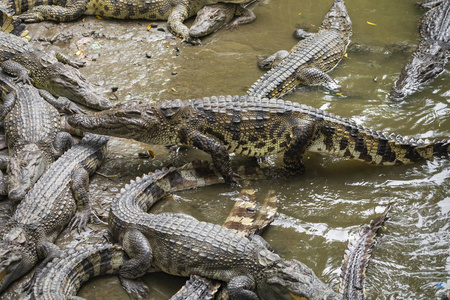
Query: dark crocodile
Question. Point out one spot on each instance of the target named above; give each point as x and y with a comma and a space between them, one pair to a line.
431, 56
33, 134
179, 244
255, 127
174, 11
62, 278
310, 59
213, 17
59, 198
50, 71
356, 259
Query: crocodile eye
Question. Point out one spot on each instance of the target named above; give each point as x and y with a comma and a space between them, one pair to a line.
24, 164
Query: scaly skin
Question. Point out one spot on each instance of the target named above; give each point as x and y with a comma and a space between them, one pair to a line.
174, 11
180, 245
243, 218
63, 277
431, 56
59, 197
33, 135
357, 257
213, 17
255, 127
309, 60
50, 71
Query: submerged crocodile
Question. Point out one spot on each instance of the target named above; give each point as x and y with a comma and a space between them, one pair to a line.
431, 56
174, 11
255, 127
179, 244
62, 278
59, 198
51, 71
213, 17
33, 134
356, 258
309, 60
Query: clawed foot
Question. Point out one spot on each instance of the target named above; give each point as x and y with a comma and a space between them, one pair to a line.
232, 26
31, 17
193, 41
69, 107
80, 220
134, 288
23, 78
233, 179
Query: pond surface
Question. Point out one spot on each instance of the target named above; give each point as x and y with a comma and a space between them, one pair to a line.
318, 211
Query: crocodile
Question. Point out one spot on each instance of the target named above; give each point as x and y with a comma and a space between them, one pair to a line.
255, 127
213, 17
33, 135
308, 62
51, 71
356, 259
179, 244
62, 278
59, 198
243, 218
431, 56
174, 11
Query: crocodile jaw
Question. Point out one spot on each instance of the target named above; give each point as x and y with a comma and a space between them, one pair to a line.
425, 64
14, 263
68, 82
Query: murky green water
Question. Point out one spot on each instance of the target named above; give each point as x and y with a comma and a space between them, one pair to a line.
321, 210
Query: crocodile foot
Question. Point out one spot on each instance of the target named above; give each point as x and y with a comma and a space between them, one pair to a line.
31, 17
80, 220
134, 288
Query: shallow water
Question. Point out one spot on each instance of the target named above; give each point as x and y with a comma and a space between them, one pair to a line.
321, 210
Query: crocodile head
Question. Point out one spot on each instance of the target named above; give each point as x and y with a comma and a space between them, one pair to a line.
66, 81
292, 280
17, 257
338, 18
210, 19
25, 168
424, 65
128, 121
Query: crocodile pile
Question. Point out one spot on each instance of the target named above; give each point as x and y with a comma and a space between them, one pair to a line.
33, 134
59, 198
174, 11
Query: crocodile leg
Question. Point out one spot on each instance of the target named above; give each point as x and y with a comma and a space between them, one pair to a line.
245, 16
73, 10
176, 26
302, 136
273, 60
3, 185
62, 104
218, 152
79, 187
241, 287
15, 69
313, 76
63, 142
138, 249
8, 103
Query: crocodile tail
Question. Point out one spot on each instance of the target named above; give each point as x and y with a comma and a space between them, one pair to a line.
8, 24
344, 138
63, 276
357, 257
